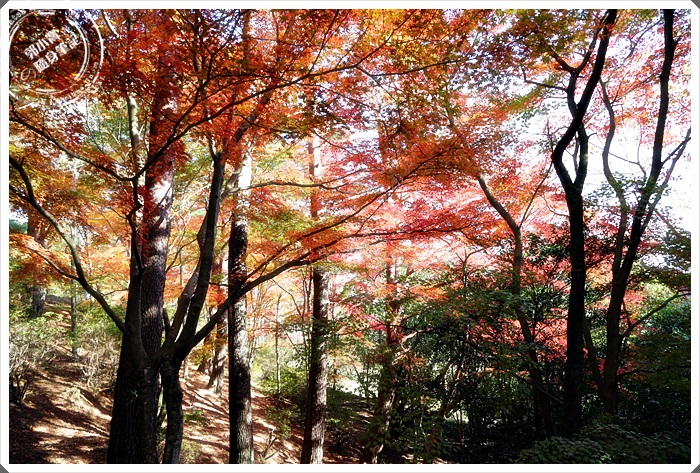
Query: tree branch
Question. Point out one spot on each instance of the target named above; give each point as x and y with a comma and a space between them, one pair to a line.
30, 198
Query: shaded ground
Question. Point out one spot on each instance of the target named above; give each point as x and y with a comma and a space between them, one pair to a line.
62, 422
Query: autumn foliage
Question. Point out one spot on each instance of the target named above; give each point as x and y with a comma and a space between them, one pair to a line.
462, 217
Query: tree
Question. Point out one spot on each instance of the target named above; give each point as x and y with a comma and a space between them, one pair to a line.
315, 421
38, 292
240, 407
629, 234
153, 233
573, 190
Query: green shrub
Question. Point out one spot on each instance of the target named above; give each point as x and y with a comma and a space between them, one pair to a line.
189, 452
282, 417
607, 443
195, 416
292, 385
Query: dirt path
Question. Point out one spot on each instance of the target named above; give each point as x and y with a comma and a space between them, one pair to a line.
62, 422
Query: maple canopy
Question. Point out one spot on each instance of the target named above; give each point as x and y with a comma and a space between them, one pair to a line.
439, 164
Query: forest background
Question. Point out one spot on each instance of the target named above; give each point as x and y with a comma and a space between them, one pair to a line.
396, 195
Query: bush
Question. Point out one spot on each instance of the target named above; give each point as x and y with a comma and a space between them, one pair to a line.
607, 443
282, 417
31, 349
196, 417
339, 418
189, 452
292, 386
98, 341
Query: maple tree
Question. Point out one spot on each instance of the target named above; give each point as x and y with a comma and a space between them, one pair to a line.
403, 158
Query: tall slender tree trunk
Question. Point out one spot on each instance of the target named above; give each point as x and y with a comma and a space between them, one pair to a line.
378, 431
315, 421
240, 402
541, 406
573, 371
278, 377
73, 317
190, 305
172, 397
622, 265
216, 379
218, 365
573, 190
317, 383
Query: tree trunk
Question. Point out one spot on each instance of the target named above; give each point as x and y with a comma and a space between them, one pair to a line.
436, 431
317, 382
132, 435
73, 319
379, 425
541, 406
216, 379
315, 422
38, 301
278, 377
218, 362
378, 431
152, 246
125, 419
622, 266
573, 189
205, 363
573, 372
172, 397
240, 404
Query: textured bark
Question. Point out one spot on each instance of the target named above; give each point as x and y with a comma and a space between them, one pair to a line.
315, 421
36, 309
152, 247
573, 371
172, 397
240, 407
124, 426
134, 411
132, 436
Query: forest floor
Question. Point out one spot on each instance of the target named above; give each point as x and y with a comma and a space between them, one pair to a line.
61, 421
